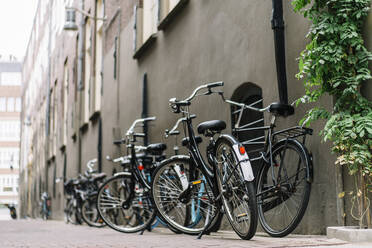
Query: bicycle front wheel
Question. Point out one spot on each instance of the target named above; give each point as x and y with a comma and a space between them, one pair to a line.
238, 195
283, 190
182, 196
124, 205
89, 213
71, 213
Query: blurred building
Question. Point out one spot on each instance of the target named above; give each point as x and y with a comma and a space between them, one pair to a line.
10, 110
85, 84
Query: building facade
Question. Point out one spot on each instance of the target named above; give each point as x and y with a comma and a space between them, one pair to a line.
84, 88
10, 112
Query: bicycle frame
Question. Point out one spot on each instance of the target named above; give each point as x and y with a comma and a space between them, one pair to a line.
270, 138
196, 158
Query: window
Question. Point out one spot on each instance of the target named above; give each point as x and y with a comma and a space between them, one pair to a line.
2, 104
65, 101
87, 69
167, 10
10, 104
55, 118
7, 189
11, 78
18, 104
98, 54
146, 16
52, 121
150, 9
10, 130
9, 156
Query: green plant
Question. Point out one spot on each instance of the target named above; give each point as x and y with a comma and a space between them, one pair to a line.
335, 62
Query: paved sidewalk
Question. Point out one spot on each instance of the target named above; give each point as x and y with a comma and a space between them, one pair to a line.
38, 233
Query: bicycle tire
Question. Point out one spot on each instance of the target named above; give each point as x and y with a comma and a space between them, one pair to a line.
126, 212
238, 196
92, 217
270, 201
158, 221
72, 213
164, 196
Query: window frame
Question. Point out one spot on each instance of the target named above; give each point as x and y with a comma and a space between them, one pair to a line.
141, 43
165, 16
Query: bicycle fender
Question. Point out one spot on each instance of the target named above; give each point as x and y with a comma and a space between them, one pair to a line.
308, 158
245, 163
125, 173
174, 157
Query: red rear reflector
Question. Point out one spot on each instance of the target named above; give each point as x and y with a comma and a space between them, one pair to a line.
242, 150
141, 167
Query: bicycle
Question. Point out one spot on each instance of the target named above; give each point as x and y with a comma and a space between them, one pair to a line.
81, 197
286, 173
184, 184
124, 200
45, 205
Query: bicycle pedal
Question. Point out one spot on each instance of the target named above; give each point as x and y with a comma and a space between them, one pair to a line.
242, 217
196, 182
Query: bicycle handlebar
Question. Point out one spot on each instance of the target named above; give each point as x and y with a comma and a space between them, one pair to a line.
205, 86
90, 164
142, 120
186, 101
174, 128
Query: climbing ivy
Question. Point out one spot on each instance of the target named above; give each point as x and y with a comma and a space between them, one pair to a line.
335, 63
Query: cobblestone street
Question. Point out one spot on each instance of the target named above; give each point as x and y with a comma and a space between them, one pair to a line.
37, 233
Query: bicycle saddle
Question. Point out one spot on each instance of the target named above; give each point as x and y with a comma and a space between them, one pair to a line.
211, 126
185, 141
282, 109
99, 176
76, 182
156, 149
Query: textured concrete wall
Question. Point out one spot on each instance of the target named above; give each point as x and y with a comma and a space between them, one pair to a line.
217, 41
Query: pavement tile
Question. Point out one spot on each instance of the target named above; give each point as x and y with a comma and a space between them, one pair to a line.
50, 234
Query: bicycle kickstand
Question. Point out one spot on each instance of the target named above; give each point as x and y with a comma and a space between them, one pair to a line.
206, 227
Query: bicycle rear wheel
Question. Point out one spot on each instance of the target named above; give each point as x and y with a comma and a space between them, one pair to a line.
238, 195
282, 202
182, 196
124, 205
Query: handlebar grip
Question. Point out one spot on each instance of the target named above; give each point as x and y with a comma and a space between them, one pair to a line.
152, 118
215, 84
176, 132
174, 101
119, 142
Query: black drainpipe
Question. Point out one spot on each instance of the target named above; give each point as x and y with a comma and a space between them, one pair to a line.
277, 24
144, 109
99, 146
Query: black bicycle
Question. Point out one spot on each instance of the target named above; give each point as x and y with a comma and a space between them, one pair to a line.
81, 197
124, 200
286, 171
183, 185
